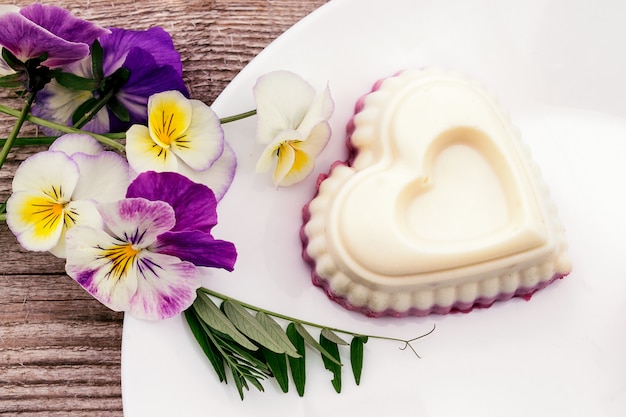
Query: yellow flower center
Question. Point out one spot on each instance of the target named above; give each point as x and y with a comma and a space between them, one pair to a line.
121, 258
167, 127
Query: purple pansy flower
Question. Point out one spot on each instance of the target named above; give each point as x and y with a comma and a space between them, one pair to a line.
154, 65
37, 29
145, 261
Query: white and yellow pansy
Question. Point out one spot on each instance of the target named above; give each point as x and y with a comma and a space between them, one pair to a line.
59, 188
183, 136
292, 121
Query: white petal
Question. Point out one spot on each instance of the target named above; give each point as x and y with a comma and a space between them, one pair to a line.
77, 213
320, 111
76, 142
282, 100
268, 157
203, 142
219, 177
103, 177
99, 264
50, 172
144, 154
35, 219
166, 286
316, 141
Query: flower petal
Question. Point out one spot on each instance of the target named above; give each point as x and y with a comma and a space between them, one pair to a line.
194, 204
84, 213
155, 41
102, 265
63, 23
197, 247
285, 160
301, 166
147, 77
166, 286
219, 177
137, 221
103, 177
316, 141
35, 219
72, 143
52, 173
144, 154
282, 100
267, 158
203, 142
25, 36
320, 111
169, 117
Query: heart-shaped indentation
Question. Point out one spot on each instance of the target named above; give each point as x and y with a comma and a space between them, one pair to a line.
441, 193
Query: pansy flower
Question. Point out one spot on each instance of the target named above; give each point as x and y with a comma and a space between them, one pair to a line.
145, 260
183, 136
293, 123
37, 30
59, 188
153, 66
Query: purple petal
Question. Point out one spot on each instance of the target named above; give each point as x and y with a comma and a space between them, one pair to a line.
199, 248
194, 204
154, 64
39, 29
156, 41
26, 40
63, 23
136, 220
146, 78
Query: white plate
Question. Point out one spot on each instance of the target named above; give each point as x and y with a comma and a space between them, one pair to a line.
559, 67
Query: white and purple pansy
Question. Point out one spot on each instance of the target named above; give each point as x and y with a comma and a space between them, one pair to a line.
145, 260
57, 189
35, 30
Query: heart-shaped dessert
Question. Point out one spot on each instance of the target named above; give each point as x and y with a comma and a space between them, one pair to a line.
439, 208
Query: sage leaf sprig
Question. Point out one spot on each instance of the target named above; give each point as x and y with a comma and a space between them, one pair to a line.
248, 343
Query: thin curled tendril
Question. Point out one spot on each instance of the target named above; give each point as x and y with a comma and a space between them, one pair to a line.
407, 343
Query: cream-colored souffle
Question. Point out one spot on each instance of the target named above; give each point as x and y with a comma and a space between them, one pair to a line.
440, 207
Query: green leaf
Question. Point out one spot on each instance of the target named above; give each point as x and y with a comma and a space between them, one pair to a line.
330, 335
277, 333
356, 356
277, 363
207, 347
74, 82
247, 324
297, 365
313, 343
96, 60
214, 318
12, 81
118, 109
332, 348
11, 60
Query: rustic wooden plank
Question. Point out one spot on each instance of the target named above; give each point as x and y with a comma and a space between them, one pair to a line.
60, 349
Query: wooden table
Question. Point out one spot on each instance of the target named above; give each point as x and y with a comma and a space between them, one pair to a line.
60, 349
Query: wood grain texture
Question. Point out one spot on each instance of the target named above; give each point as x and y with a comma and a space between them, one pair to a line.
60, 350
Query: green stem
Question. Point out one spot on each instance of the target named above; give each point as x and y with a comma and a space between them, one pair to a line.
91, 113
21, 118
237, 117
407, 343
105, 139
